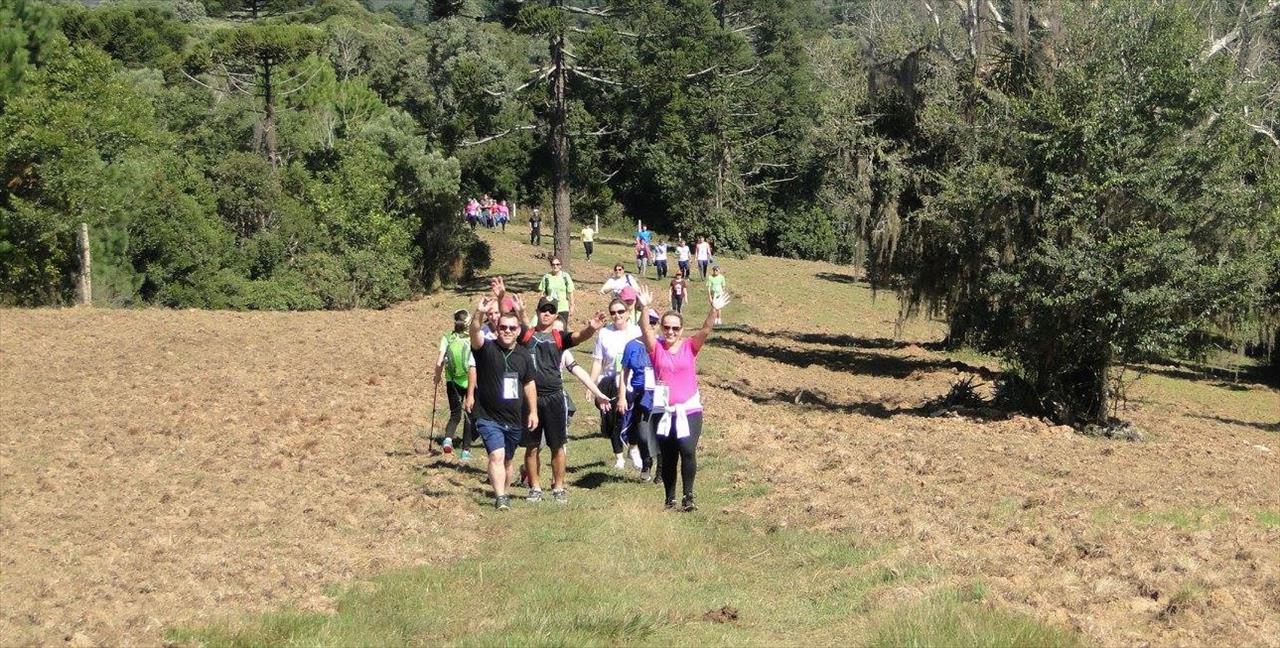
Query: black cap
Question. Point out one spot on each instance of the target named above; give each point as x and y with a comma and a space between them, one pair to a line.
546, 302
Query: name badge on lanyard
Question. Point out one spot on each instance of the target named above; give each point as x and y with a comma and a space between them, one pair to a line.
648, 379
661, 396
510, 386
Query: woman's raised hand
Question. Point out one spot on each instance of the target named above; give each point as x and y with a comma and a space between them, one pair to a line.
644, 296
720, 301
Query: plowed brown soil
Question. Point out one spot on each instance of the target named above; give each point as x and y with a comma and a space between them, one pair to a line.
169, 467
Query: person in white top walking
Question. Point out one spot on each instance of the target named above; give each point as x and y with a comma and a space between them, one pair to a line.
703, 252
611, 341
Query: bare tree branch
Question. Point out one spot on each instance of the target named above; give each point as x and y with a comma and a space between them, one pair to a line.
1232, 36
203, 84
747, 28
774, 182
700, 72
542, 74
1271, 134
602, 13
742, 72
593, 78
504, 133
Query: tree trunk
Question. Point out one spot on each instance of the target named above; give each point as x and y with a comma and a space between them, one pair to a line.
559, 144
269, 115
86, 267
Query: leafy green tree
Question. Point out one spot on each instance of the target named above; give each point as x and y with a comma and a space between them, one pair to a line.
28, 28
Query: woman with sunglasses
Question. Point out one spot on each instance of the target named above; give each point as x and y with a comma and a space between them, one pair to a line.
605, 358
677, 406
617, 281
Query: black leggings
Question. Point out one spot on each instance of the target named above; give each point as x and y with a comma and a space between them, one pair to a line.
456, 395
611, 420
640, 430
685, 450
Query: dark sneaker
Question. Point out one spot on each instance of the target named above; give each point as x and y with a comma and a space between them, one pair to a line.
560, 496
671, 504
502, 502
687, 504
535, 495
646, 476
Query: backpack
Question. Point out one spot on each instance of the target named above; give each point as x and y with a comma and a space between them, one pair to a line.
457, 347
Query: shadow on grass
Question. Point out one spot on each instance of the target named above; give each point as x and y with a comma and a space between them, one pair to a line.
814, 400
838, 277
596, 479
848, 360
1217, 376
517, 282
456, 466
1265, 427
833, 339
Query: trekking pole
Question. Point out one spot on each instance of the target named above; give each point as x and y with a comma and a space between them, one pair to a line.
431, 436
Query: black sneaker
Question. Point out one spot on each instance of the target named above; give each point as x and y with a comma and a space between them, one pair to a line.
687, 504
646, 476
671, 504
502, 502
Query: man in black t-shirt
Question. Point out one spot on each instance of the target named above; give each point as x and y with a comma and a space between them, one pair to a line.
545, 344
503, 388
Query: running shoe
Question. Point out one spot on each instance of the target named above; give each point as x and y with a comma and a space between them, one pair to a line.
502, 502
535, 495
635, 458
465, 455
687, 504
646, 476
447, 446
560, 496
671, 504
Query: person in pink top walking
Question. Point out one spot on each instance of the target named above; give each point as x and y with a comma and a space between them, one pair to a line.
677, 406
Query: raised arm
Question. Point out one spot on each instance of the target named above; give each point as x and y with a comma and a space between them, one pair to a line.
594, 324
645, 297
440, 360
477, 338
700, 338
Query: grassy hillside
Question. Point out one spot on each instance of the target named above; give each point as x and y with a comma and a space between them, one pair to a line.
265, 491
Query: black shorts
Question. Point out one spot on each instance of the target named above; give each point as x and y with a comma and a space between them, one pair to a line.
553, 423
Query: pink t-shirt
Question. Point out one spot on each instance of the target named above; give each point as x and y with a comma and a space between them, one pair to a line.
679, 371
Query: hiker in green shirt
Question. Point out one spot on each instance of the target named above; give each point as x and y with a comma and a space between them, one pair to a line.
558, 285
458, 367
715, 285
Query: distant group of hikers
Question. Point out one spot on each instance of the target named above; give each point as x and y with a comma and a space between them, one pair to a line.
488, 212
502, 369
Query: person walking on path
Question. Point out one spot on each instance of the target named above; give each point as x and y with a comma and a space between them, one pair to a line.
715, 285
682, 258
617, 281
588, 240
502, 390
610, 342
679, 289
676, 404
558, 285
660, 259
458, 367
546, 344
642, 256
703, 253
535, 227
504, 214
473, 213
635, 397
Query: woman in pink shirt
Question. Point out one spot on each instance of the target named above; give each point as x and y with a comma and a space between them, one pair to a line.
677, 406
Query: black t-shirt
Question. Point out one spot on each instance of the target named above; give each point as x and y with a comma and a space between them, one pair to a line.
492, 364
535, 222
545, 353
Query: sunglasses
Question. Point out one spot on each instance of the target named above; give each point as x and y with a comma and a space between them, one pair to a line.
546, 311
671, 329
617, 269
555, 265
507, 328
617, 312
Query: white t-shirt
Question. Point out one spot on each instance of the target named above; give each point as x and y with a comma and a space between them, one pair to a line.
660, 252
704, 251
609, 346
682, 253
616, 284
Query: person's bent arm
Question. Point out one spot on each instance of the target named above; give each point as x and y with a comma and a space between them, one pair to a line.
440, 361
713, 313
477, 338
645, 297
624, 379
585, 378
594, 324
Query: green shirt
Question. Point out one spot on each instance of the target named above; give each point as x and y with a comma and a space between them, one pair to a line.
715, 284
557, 287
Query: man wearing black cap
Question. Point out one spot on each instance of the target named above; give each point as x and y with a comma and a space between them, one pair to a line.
545, 344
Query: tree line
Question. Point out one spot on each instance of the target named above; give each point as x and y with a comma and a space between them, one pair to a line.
1071, 185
